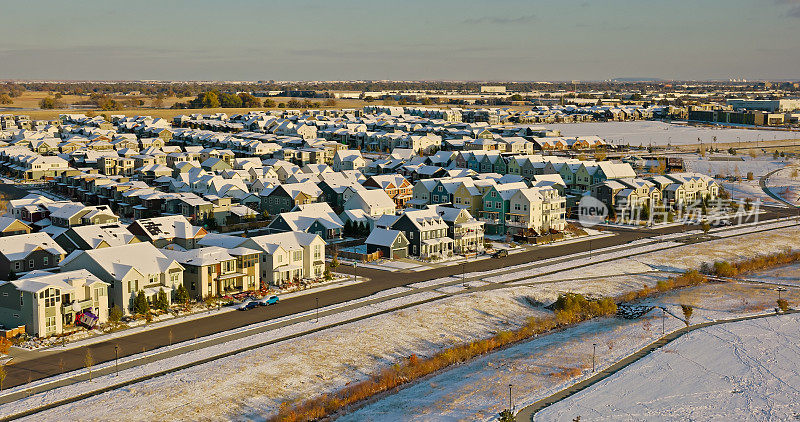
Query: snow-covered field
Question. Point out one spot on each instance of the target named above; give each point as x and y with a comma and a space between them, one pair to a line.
743, 164
540, 367
253, 384
660, 133
741, 371
256, 382
784, 185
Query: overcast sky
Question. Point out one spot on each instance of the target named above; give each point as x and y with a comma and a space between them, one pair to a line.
399, 39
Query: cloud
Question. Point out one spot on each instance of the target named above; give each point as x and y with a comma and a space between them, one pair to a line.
794, 8
500, 20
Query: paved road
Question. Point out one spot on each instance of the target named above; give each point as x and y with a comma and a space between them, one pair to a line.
55, 362
528, 414
762, 182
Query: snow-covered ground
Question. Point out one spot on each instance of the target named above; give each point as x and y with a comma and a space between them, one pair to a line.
253, 384
660, 133
741, 371
540, 367
783, 184
739, 165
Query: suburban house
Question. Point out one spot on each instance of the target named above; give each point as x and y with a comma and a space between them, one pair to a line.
466, 231
317, 218
215, 271
290, 257
396, 186
129, 269
12, 226
23, 253
161, 231
535, 211
283, 198
45, 303
374, 202
391, 243
95, 237
348, 160
426, 232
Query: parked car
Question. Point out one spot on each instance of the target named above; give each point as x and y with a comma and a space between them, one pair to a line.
268, 300
246, 305
502, 253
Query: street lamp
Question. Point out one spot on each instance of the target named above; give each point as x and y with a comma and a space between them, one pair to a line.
317, 308
116, 359
594, 352
510, 406
355, 271
663, 315
779, 290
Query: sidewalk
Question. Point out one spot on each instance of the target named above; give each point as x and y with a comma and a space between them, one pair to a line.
21, 355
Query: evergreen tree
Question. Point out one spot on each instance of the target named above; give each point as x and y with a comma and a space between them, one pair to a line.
140, 304
114, 314
348, 228
182, 295
161, 300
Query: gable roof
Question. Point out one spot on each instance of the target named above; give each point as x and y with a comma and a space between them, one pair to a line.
118, 261
20, 246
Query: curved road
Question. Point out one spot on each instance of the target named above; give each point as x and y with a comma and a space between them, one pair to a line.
528, 413
762, 182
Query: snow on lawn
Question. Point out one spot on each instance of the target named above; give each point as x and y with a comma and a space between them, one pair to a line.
643, 132
740, 191
727, 249
784, 185
728, 165
740, 371
789, 275
479, 390
256, 382
587, 260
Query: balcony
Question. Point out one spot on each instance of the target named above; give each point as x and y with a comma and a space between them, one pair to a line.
517, 220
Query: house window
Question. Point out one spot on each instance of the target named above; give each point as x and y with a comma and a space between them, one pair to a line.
17, 265
45, 261
498, 205
30, 263
493, 194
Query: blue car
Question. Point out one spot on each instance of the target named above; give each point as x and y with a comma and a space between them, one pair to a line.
247, 305
268, 300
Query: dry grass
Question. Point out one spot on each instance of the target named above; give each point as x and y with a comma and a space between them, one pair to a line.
569, 309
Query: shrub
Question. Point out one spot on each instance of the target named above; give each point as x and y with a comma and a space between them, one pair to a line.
724, 269
783, 305
114, 314
506, 416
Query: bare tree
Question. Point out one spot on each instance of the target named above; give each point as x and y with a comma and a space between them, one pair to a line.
687, 313
88, 361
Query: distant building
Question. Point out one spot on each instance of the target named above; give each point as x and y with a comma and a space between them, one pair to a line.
786, 104
493, 89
